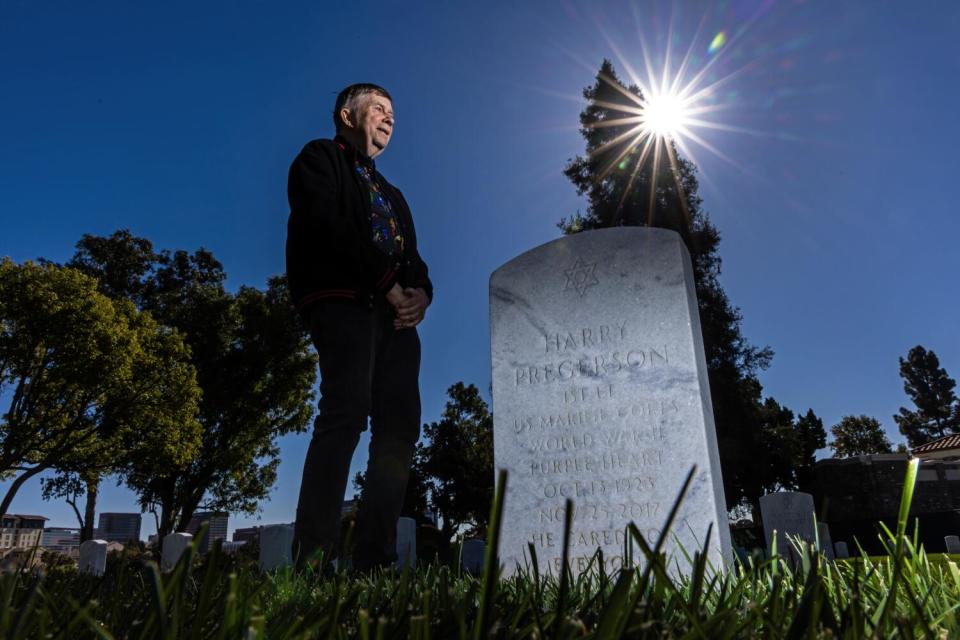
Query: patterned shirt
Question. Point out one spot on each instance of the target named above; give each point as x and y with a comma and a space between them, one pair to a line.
387, 234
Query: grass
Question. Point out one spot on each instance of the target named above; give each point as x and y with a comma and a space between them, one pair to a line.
906, 594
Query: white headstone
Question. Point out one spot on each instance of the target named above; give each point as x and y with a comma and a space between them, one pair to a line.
953, 543
789, 513
826, 543
473, 554
406, 542
93, 557
840, 549
600, 394
276, 546
174, 544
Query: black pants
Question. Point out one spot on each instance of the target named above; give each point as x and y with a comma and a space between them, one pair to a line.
367, 368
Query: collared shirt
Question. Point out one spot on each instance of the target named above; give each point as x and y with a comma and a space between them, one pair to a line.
387, 232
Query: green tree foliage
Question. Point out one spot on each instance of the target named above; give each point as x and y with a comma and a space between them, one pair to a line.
931, 390
457, 461
858, 435
93, 383
254, 365
662, 191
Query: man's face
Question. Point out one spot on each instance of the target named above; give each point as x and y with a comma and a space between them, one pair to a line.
374, 124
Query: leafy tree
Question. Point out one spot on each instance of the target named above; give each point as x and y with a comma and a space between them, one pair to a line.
811, 436
254, 365
858, 435
457, 461
931, 390
777, 440
626, 186
93, 382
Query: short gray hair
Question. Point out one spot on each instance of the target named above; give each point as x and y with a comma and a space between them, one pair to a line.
350, 97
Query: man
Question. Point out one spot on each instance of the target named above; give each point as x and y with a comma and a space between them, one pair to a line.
360, 284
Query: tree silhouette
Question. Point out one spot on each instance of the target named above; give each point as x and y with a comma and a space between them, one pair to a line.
811, 436
457, 461
858, 435
931, 390
624, 186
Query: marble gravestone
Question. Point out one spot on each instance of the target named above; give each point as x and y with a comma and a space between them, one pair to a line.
93, 557
952, 543
406, 542
600, 395
789, 513
826, 542
174, 546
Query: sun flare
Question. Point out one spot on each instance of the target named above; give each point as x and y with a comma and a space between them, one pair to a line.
664, 115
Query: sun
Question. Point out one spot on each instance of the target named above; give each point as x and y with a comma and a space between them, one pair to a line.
660, 116
665, 115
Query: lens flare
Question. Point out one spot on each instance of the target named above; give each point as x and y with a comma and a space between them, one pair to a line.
718, 41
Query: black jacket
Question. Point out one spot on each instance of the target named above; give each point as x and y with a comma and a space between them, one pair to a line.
330, 249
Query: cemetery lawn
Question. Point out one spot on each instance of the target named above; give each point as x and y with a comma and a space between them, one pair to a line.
906, 594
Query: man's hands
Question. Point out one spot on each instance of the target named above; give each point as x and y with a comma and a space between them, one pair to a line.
409, 304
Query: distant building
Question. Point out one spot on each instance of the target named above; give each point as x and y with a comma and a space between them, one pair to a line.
119, 527
246, 534
349, 507
946, 448
853, 495
20, 531
232, 546
217, 530
62, 539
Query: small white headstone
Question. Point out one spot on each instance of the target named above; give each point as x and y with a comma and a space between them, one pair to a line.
174, 545
789, 513
600, 395
473, 555
840, 548
406, 542
826, 544
276, 546
93, 557
953, 544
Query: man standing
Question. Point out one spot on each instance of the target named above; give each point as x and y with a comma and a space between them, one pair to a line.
359, 283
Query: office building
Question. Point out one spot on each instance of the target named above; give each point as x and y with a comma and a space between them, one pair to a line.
62, 539
118, 527
20, 531
217, 528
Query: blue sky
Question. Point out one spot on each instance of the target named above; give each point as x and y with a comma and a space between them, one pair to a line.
178, 121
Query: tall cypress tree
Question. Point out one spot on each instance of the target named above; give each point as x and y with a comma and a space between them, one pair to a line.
626, 187
931, 390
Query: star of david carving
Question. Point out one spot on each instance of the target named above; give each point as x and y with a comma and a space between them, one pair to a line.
581, 277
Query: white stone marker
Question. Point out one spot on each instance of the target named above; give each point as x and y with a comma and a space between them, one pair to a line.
472, 556
789, 513
600, 394
953, 543
406, 542
174, 544
840, 549
826, 543
276, 546
93, 557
